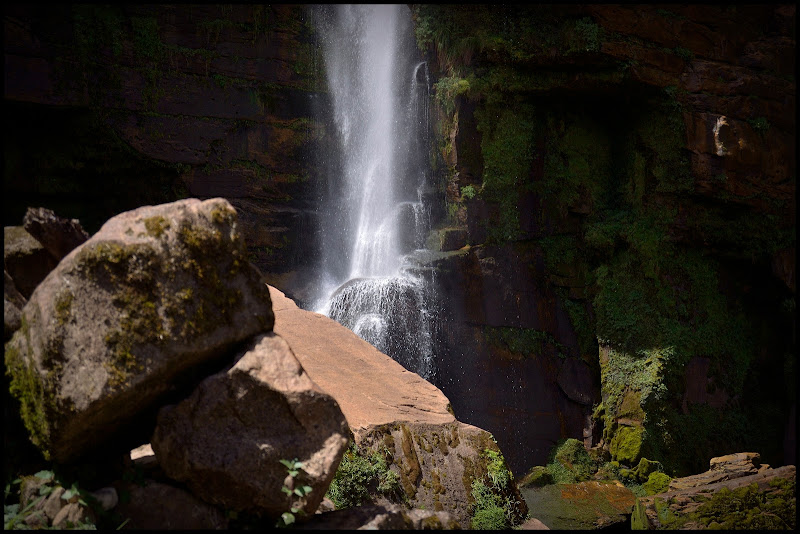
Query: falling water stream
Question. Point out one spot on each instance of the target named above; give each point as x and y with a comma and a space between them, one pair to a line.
374, 217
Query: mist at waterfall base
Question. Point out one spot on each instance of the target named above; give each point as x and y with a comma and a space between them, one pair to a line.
374, 215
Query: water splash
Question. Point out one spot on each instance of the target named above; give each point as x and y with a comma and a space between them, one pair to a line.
374, 215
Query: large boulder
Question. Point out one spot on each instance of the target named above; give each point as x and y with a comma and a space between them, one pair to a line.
437, 462
121, 320
226, 441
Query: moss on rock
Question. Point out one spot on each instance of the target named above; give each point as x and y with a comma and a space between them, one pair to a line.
626, 444
657, 483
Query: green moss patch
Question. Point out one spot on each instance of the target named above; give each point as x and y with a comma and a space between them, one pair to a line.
627, 444
657, 483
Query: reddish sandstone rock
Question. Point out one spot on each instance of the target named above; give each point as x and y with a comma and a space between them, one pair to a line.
394, 411
226, 441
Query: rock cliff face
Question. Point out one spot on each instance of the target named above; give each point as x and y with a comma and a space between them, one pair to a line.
624, 177
112, 107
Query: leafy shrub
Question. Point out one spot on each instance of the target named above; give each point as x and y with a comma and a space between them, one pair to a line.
493, 506
571, 463
759, 124
358, 476
468, 192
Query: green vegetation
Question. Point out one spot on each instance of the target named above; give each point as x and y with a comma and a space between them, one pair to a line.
36, 396
295, 494
507, 147
29, 515
507, 33
526, 342
447, 89
747, 507
570, 462
468, 192
683, 53
493, 508
156, 226
360, 474
657, 483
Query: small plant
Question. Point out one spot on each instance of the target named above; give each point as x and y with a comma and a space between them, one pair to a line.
590, 35
359, 476
293, 491
15, 518
468, 192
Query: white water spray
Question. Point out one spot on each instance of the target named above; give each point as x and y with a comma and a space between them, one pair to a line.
374, 215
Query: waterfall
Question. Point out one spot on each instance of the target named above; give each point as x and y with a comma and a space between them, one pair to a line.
373, 214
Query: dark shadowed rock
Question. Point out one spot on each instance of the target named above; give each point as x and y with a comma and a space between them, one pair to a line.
575, 380
124, 317
227, 439
25, 259
13, 303
387, 517
159, 506
56, 234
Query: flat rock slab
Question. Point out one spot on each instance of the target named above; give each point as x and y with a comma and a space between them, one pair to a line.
395, 411
582, 506
371, 388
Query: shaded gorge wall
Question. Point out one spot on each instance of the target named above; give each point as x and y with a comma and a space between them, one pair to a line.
618, 226
114, 107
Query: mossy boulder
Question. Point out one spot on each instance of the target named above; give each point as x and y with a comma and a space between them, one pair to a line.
572, 456
538, 476
627, 444
656, 483
119, 322
723, 499
454, 467
646, 468
583, 506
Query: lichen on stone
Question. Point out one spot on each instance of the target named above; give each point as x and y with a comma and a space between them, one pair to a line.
156, 226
